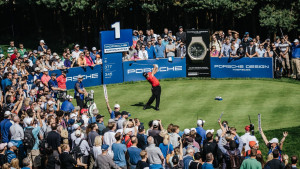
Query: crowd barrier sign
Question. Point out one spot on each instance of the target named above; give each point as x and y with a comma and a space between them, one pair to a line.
241, 67
133, 70
92, 76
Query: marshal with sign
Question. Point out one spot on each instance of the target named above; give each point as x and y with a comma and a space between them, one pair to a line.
198, 57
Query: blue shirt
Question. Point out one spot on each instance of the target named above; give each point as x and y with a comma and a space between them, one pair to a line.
186, 162
4, 83
202, 133
53, 83
160, 51
164, 42
207, 166
295, 51
164, 149
134, 155
10, 155
67, 106
119, 154
67, 63
40, 49
5, 125
151, 52
112, 115
35, 133
93, 56
92, 120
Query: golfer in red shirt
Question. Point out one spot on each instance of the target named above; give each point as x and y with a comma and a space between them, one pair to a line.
62, 80
156, 89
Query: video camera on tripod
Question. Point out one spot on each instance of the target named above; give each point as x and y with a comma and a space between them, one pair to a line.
251, 127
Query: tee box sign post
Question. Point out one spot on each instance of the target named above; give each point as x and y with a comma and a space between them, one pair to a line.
112, 44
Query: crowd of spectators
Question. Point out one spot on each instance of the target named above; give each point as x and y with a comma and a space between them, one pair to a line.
41, 130
286, 55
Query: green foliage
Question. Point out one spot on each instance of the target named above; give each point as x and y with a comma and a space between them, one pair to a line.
149, 7
70, 6
274, 18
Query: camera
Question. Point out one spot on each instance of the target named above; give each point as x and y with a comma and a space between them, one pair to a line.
252, 129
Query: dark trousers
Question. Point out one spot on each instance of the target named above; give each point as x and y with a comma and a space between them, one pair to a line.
155, 95
79, 102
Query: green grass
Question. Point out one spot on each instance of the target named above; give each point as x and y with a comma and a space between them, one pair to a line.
185, 100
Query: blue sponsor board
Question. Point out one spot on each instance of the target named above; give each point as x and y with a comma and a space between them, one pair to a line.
241, 67
133, 71
91, 76
112, 49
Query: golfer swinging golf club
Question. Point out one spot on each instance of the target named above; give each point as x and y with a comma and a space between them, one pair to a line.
156, 89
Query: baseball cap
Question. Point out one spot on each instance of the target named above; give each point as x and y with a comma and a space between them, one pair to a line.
247, 128
186, 131
2, 146
127, 130
76, 45
111, 121
141, 127
75, 126
53, 74
296, 40
169, 39
45, 70
99, 116
104, 147
72, 115
117, 106
50, 102
94, 48
79, 77
11, 144
193, 129
180, 27
117, 113
42, 41
145, 74
77, 133
200, 122
85, 48
25, 56
51, 109
69, 97
274, 140
42, 54
210, 131
170, 31
34, 51
246, 33
252, 143
7, 113
27, 121
1, 55
155, 123
83, 110
165, 36
55, 54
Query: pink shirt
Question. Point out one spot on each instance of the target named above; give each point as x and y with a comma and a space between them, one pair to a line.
45, 79
89, 61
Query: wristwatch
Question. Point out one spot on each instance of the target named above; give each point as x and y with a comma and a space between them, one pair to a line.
197, 49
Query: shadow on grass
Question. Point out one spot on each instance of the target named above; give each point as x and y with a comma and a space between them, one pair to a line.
141, 104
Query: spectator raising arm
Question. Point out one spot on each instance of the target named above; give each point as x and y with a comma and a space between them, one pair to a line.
264, 137
285, 134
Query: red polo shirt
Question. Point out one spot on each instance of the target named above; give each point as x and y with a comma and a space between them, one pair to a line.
153, 80
61, 82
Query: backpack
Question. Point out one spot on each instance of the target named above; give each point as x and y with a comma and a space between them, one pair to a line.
235, 160
77, 150
29, 140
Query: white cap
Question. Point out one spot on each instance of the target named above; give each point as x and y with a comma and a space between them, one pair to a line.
24, 56
72, 115
57, 57
42, 53
155, 123
186, 131
50, 102
76, 45
75, 126
77, 133
55, 54
193, 129
27, 121
69, 97
45, 70
11, 144
79, 77
94, 48
274, 140
200, 122
210, 131
42, 41
37, 68
1, 55
127, 130
7, 113
296, 40
117, 106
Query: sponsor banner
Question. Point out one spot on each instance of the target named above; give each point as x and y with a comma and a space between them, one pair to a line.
133, 71
198, 56
117, 47
241, 67
112, 49
91, 76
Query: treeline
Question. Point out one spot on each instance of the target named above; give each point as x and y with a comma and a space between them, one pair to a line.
65, 22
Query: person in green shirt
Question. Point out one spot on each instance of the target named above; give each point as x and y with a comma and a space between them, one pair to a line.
21, 50
11, 48
251, 163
